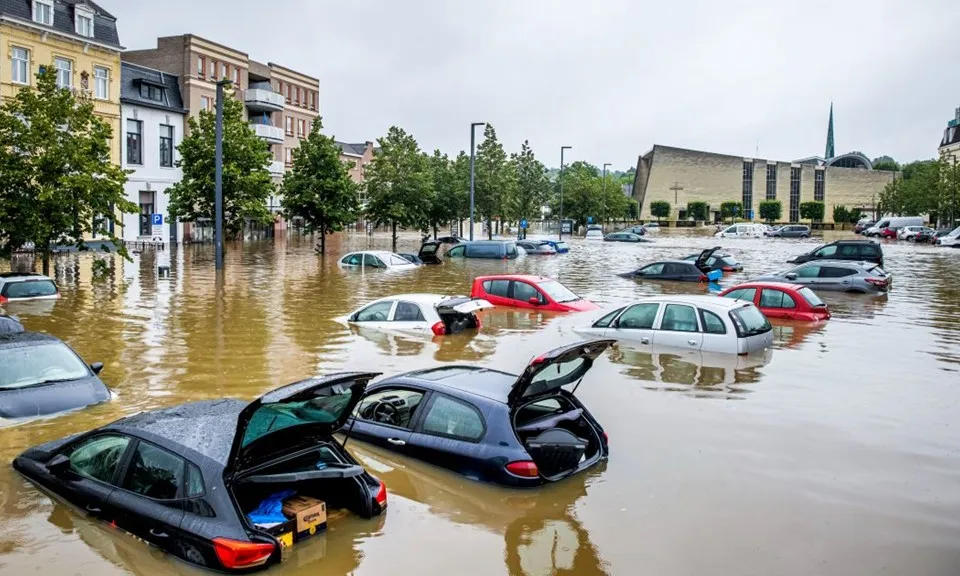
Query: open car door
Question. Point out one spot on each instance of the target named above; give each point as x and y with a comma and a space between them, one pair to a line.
429, 252
549, 371
293, 417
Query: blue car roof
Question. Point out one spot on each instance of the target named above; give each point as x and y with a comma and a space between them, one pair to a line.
490, 384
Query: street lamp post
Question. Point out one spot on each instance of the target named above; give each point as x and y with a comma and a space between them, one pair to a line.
218, 189
560, 228
604, 193
473, 156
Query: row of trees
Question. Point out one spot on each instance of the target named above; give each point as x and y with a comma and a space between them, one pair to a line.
925, 187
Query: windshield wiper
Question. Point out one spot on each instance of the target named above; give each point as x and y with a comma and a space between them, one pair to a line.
50, 381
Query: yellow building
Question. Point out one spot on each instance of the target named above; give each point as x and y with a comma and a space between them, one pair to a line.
78, 38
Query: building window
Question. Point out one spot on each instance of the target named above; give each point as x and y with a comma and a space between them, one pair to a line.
101, 82
771, 181
201, 66
748, 190
134, 142
20, 58
301, 127
795, 194
236, 77
204, 103
166, 146
43, 12
84, 22
818, 184
289, 126
223, 71
151, 92
64, 69
212, 70
288, 156
288, 94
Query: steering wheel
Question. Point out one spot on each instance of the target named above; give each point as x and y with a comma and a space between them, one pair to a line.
385, 413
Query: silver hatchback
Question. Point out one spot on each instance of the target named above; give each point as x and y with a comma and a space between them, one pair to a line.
836, 275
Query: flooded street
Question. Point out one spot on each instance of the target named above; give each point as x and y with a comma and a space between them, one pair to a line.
837, 453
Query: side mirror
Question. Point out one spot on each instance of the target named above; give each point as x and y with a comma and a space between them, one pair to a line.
818, 255
534, 300
58, 465
791, 276
96, 367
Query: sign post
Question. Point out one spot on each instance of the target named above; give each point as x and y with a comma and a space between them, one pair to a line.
156, 224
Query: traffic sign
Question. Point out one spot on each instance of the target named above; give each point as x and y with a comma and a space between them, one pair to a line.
156, 221
523, 224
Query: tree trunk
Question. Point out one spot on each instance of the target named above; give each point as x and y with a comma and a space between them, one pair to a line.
434, 231
489, 229
323, 242
393, 225
460, 228
46, 262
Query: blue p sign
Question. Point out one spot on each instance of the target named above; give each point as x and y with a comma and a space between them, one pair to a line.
156, 219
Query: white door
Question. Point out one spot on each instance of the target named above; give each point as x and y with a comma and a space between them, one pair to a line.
408, 317
717, 336
376, 315
679, 328
635, 325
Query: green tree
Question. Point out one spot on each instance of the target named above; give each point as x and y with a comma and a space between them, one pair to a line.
398, 182
699, 211
492, 178
885, 163
582, 192
532, 185
246, 180
771, 210
840, 214
57, 177
443, 208
614, 203
461, 181
731, 210
660, 209
948, 196
318, 188
812, 211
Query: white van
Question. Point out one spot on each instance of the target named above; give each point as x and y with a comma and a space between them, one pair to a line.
951, 239
741, 231
895, 222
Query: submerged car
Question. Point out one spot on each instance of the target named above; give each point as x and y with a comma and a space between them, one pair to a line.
789, 231
781, 300
376, 259
717, 261
853, 250
689, 322
624, 237
26, 286
188, 479
951, 238
680, 270
537, 247
835, 275
742, 231
594, 232
524, 291
40, 375
910, 233
420, 314
9, 324
519, 430
485, 249
560, 246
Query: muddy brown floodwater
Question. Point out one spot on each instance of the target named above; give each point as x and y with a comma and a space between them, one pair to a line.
836, 454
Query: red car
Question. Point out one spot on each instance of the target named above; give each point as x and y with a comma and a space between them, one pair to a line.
889, 232
781, 300
528, 292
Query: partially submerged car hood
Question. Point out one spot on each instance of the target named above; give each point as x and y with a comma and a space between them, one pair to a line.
294, 415
549, 371
45, 399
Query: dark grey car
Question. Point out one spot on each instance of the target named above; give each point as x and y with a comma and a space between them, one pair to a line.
836, 275
791, 231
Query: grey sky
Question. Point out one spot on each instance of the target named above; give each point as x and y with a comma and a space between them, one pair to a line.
609, 77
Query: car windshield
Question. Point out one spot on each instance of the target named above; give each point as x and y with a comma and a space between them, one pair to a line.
811, 297
30, 289
750, 321
558, 291
41, 364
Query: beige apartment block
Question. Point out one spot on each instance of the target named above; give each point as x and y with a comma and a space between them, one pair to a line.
680, 176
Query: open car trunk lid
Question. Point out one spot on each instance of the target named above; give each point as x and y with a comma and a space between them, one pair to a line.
429, 252
462, 305
549, 371
701, 261
293, 417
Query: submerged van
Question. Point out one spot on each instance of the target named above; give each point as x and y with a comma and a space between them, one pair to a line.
742, 230
893, 224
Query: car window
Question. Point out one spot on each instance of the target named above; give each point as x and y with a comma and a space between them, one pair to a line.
808, 272
454, 419
742, 294
194, 482
869, 250
398, 261
456, 251
484, 250
394, 406
712, 324
849, 250
497, 287
154, 473
98, 457
811, 297
652, 270
750, 321
679, 318
377, 312
524, 292
408, 312
836, 272
32, 365
605, 321
827, 251
639, 316
558, 291
512, 249
671, 269
770, 298
29, 289
352, 259
730, 230
371, 261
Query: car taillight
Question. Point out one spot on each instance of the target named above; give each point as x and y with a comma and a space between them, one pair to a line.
703, 277
3, 300
524, 468
236, 554
439, 329
729, 269
606, 439
476, 320
381, 496
877, 281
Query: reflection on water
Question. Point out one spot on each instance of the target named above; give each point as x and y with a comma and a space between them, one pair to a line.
842, 440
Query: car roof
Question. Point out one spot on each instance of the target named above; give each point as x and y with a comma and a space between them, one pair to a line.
527, 277
693, 299
489, 242
684, 262
23, 339
207, 426
785, 286
373, 252
22, 277
419, 298
854, 242
841, 263
474, 380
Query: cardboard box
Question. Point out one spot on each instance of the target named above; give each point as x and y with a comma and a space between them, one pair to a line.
310, 513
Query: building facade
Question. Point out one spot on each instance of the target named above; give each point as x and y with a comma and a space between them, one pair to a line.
680, 176
280, 103
78, 39
153, 115
950, 143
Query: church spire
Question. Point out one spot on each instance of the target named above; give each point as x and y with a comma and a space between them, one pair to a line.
829, 153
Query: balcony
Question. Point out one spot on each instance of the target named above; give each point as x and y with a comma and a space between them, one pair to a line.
260, 100
276, 168
271, 134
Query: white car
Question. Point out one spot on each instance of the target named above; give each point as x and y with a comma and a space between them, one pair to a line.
951, 239
25, 286
910, 232
594, 232
419, 314
376, 259
651, 227
695, 323
742, 231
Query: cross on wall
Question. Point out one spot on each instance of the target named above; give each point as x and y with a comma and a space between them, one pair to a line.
676, 192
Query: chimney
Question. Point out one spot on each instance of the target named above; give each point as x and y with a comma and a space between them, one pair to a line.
369, 144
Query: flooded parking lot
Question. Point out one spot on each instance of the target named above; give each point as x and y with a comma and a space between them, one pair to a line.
835, 453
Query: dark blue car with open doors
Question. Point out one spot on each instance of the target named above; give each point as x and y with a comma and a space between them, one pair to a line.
488, 425
193, 479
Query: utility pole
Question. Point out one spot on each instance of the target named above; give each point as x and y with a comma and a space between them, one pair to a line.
473, 156
604, 193
218, 193
562, 148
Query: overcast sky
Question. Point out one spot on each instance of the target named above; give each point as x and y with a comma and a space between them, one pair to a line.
608, 77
